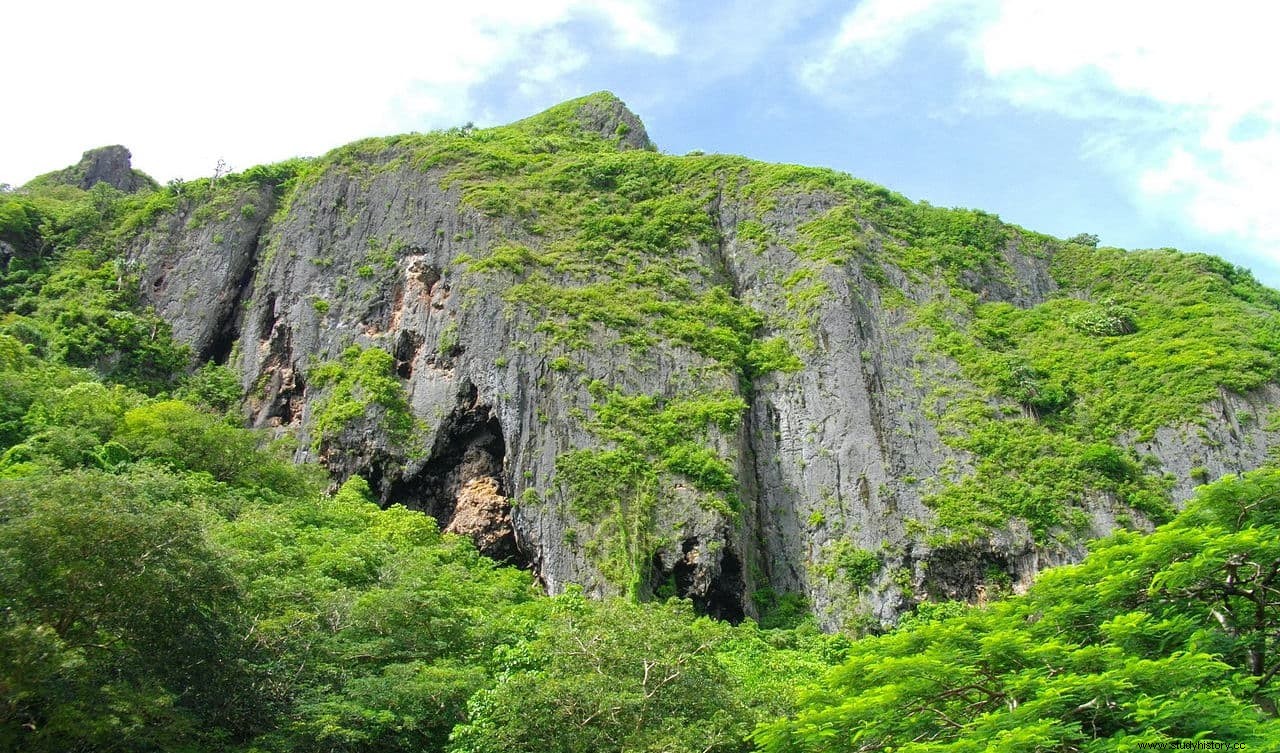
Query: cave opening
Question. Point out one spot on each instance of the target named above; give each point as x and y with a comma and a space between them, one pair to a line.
408, 343
723, 598
716, 593
462, 485
963, 573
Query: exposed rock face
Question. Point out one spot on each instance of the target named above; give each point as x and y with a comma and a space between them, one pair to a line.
612, 118
484, 515
107, 164
1235, 437
196, 272
840, 452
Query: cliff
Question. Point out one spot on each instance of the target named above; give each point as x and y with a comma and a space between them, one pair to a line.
708, 376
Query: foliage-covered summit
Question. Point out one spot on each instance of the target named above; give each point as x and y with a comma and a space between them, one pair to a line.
106, 164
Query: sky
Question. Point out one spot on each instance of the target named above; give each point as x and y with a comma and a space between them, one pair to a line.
1151, 123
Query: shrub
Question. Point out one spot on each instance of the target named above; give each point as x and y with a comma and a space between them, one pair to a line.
1109, 461
360, 379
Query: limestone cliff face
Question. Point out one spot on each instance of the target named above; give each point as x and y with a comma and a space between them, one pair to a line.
196, 273
834, 455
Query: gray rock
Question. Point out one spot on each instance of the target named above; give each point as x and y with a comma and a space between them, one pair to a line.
834, 455
106, 164
1236, 433
196, 271
611, 118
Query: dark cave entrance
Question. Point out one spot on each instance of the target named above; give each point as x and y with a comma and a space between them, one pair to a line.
963, 574
408, 343
719, 596
462, 483
724, 598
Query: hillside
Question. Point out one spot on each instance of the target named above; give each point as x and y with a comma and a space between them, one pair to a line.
707, 373
683, 386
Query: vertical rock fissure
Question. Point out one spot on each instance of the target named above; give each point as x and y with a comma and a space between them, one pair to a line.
710, 576
278, 397
761, 558
725, 596
227, 329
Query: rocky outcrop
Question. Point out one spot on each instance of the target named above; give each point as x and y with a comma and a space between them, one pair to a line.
1237, 433
106, 164
837, 456
610, 118
482, 514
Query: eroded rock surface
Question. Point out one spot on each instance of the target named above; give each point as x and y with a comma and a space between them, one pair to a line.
836, 455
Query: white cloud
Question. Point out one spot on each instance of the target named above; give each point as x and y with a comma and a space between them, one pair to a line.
1181, 95
727, 38
556, 58
184, 84
872, 36
634, 26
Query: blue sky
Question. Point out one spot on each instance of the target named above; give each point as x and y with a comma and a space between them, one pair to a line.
1150, 124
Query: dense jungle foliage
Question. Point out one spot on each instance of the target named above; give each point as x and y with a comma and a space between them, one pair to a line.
171, 581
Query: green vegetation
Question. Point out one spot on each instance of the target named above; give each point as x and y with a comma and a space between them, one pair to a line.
66, 292
604, 257
1189, 326
613, 227
1166, 638
653, 444
642, 677
76, 175
1130, 341
204, 199
170, 581
855, 567
361, 384
174, 583
448, 339
1086, 375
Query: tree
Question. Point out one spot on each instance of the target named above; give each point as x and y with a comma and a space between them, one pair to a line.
122, 628
1152, 638
613, 676
1222, 566
375, 626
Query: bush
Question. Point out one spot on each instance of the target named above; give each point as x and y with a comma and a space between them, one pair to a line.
1109, 461
211, 385
360, 379
1108, 319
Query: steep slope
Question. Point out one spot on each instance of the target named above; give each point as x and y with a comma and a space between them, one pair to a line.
710, 376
